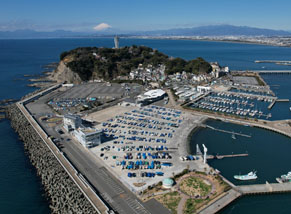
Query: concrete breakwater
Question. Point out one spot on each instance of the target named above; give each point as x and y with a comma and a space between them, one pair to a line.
64, 195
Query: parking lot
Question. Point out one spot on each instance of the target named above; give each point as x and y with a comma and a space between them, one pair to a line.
245, 80
141, 145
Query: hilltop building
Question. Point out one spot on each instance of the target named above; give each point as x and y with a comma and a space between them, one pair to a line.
217, 70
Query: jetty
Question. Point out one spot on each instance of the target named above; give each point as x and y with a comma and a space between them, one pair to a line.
272, 61
273, 71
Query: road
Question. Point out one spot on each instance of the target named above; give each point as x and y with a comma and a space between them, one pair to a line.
112, 190
91, 196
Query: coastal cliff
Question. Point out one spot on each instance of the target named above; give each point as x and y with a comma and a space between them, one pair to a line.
62, 192
64, 73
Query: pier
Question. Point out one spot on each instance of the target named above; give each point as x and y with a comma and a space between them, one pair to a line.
264, 188
225, 131
252, 95
277, 100
272, 104
282, 100
226, 156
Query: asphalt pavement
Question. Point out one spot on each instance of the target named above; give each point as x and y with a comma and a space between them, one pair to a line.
121, 199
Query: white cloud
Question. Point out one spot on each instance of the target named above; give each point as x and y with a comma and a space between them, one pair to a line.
102, 26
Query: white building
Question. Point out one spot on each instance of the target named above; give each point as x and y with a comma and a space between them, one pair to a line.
151, 96
88, 137
72, 122
203, 88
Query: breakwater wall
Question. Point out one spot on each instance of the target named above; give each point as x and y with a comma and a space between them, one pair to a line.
63, 194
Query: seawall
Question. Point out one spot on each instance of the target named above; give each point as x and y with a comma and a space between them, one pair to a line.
62, 192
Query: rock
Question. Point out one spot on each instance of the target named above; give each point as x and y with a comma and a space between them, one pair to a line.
63, 194
64, 73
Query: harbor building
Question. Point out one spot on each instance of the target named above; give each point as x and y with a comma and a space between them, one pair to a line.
72, 122
88, 137
151, 96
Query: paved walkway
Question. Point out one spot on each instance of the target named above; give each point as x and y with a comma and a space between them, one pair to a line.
182, 204
230, 196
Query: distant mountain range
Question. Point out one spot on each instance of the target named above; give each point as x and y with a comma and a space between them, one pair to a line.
218, 30
31, 34
211, 30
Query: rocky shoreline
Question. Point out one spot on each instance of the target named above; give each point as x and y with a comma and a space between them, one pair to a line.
63, 194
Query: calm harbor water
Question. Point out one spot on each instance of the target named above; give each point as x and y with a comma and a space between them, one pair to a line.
20, 188
268, 155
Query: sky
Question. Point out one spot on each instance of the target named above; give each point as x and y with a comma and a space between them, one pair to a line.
138, 15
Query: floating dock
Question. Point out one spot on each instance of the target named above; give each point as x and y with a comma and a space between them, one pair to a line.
225, 131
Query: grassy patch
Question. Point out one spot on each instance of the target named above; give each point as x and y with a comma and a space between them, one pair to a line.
170, 200
189, 206
195, 186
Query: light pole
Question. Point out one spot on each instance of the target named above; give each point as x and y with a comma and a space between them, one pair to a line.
205, 153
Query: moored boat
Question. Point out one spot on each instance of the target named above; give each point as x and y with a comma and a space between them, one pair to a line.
284, 178
250, 176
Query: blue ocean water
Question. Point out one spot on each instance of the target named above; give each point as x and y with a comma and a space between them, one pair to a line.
20, 189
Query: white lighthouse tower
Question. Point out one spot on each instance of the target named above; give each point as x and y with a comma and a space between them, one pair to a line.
116, 42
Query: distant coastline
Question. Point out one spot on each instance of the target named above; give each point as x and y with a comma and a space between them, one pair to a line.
214, 39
